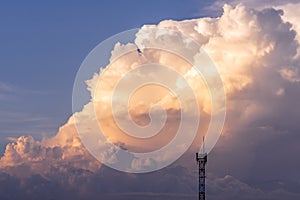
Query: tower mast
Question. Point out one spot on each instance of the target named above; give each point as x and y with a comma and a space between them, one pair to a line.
201, 159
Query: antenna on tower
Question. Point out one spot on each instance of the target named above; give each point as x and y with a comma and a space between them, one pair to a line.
201, 159
203, 146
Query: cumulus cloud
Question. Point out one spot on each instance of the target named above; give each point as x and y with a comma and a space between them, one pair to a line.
27, 156
257, 55
257, 4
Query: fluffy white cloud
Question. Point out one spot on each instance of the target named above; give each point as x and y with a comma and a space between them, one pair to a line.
247, 46
26, 156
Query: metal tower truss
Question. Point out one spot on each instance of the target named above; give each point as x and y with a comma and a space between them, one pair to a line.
201, 160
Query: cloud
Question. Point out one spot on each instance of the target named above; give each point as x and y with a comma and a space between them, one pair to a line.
5, 87
17, 119
257, 4
229, 187
291, 17
170, 183
27, 156
256, 53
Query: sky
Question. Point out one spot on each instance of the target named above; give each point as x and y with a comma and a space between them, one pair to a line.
46, 150
43, 45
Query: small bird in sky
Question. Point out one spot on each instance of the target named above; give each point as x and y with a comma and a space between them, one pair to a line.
139, 51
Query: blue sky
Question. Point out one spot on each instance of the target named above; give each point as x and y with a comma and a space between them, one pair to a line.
43, 45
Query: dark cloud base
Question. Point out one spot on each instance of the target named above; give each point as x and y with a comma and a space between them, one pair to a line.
175, 182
